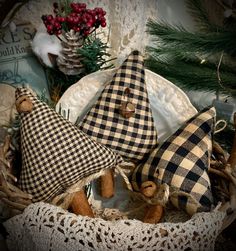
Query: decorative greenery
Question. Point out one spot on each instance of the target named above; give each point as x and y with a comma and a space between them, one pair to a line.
92, 52
200, 60
93, 55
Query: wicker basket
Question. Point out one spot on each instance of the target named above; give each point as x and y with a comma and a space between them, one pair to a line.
46, 227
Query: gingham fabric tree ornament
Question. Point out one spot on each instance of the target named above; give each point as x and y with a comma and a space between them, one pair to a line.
57, 156
182, 162
122, 118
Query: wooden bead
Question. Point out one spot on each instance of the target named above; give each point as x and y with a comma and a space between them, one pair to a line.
127, 109
148, 188
24, 104
80, 205
107, 184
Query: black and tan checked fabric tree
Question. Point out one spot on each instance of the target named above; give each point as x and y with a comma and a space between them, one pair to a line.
56, 154
182, 162
134, 135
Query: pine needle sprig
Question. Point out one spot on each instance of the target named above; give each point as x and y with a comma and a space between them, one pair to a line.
94, 55
194, 75
170, 36
200, 60
169, 54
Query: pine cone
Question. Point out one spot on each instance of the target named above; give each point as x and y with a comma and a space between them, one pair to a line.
69, 60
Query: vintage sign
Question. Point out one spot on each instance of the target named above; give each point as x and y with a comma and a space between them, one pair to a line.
18, 65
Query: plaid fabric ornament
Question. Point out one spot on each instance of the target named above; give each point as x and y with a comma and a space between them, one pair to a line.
121, 118
56, 154
182, 162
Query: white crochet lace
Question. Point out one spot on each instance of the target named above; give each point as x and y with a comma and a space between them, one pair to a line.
46, 227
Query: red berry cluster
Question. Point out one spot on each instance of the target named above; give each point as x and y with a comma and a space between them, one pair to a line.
80, 19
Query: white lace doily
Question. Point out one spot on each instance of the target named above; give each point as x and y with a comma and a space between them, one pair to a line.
45, 227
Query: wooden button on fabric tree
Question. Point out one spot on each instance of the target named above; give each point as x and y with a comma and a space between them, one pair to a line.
24, 104
127, 109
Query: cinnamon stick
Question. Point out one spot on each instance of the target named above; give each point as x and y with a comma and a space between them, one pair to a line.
80, 205
107, 184
154, 214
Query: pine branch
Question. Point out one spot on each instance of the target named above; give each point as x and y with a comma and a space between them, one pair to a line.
166, 35
203, 60
93, 54
194, 76
169, 54
172, 54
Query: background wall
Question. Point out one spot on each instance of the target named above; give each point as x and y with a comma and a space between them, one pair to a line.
174, 12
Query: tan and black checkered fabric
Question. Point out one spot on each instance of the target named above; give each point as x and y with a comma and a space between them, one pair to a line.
182, 162
130, 137
55, 153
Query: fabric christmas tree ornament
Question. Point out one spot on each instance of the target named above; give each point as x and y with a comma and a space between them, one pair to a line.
182, 162
56, 155
121, 118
